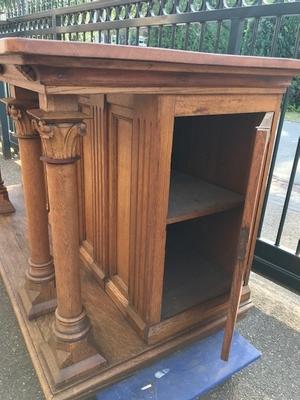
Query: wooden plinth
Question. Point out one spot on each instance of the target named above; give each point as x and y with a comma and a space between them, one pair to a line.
115, 339
5, 205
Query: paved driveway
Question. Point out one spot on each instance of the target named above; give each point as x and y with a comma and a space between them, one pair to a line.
285, 157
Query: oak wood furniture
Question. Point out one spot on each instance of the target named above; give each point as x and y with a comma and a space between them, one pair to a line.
153, 174
6, 206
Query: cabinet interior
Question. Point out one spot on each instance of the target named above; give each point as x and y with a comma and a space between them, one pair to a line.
211, 158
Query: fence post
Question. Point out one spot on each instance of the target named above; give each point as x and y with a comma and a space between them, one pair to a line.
55, 24
235, 37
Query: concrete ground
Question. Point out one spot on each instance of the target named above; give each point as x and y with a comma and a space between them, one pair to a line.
284, 161
273, 326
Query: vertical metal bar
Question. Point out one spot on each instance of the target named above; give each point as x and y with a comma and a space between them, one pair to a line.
173, 36
288, 194
217, 36
297, 43
55, 23
186, 38
4, 126
235, 37
203, 27
297, 253
254, 35
275, 150
148, 35
275, 37
159, 35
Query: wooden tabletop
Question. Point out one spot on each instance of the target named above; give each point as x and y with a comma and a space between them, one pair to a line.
24, 46
86, 68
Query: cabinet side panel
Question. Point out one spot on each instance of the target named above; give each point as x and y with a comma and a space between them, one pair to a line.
93, 198
140, 144
100, 182
120, 182
87, 165
153, 129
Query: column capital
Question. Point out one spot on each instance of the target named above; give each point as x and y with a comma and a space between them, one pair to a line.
60, 133
16, 109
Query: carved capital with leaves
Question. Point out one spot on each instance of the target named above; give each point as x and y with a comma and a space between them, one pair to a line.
17, 112
60, 141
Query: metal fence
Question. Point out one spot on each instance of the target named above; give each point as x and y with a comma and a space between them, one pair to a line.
223, 26
252, 27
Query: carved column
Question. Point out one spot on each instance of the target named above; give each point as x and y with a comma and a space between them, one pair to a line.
38, 295
5, 205
71, 354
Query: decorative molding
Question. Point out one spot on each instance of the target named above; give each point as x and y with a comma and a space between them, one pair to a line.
16, 109
21, 119
60, 140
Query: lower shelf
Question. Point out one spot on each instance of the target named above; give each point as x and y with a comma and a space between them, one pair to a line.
189, 278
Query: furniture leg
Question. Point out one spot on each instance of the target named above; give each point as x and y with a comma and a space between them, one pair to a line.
70, 353
38, 295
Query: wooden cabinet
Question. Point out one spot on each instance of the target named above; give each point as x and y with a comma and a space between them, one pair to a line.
176, 184
155, 163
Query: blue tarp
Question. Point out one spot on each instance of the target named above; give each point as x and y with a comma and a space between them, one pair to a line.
185, 374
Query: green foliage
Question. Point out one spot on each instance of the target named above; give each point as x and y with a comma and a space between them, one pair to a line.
271, 41
294, 103
263, 37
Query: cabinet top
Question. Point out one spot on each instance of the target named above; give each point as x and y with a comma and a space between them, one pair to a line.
59, 63
57, 48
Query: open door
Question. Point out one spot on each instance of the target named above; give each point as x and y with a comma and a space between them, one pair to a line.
258, 159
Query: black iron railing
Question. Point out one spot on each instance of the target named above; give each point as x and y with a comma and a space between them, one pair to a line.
252, 27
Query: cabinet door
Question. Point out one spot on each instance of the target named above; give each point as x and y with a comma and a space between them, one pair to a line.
258, 159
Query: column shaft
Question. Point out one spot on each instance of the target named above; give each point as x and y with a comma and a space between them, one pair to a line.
35, 205
38, 295
62, 186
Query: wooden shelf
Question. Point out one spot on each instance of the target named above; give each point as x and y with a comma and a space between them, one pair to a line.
192, 197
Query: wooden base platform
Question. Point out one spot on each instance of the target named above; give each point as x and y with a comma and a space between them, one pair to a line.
123, 349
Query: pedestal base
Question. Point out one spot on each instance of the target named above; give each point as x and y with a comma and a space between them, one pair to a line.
5, 205
70, 362
38, 298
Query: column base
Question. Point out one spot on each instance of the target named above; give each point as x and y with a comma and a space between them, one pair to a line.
38, 296
69, 362
5, 205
